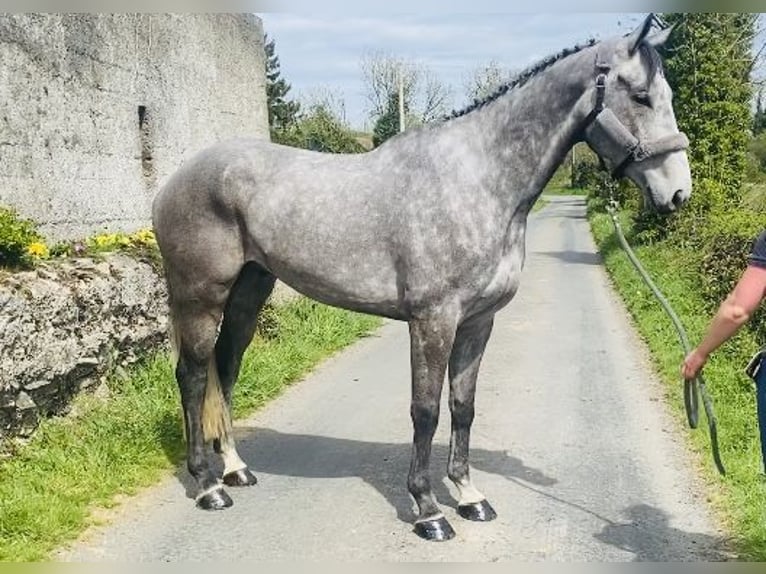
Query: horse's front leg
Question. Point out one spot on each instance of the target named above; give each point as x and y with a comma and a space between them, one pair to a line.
467, 351
430, 346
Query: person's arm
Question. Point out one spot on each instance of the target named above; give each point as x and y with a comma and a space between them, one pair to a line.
734, 312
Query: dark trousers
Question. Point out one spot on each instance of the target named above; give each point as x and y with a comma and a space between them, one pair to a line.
760, 398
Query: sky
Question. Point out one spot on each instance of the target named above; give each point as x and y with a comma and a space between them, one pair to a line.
322, 51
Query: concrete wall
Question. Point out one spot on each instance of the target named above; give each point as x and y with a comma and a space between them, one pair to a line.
97, 110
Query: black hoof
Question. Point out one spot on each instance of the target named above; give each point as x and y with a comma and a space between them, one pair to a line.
436, 530
478, 511
215, 500
241, 477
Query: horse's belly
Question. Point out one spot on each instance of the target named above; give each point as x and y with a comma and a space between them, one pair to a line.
350, 283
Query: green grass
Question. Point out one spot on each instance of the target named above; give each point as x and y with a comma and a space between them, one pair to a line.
740, 497
50, 487
539, 204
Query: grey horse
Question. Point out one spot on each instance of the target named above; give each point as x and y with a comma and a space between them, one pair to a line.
429, 228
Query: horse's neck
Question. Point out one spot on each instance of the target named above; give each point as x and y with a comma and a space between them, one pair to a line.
528, 132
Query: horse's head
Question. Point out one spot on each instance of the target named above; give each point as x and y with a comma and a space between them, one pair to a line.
633, 127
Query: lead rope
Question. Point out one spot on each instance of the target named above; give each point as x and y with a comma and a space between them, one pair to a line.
692, 389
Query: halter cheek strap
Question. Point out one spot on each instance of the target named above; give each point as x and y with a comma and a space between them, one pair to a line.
614, 142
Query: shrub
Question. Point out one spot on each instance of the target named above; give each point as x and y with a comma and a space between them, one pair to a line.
17, 235
725, 242
319, 130
586, 174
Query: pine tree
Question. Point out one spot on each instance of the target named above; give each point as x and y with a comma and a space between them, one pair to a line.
282, 112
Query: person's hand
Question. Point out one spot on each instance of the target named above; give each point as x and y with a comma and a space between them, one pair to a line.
693, 364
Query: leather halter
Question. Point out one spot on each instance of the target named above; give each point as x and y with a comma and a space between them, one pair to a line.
613, 142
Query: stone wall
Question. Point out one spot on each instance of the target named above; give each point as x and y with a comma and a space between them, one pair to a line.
96, 110
68, 324
64, 326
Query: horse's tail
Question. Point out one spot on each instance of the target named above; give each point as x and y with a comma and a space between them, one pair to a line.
174, 336
216, 421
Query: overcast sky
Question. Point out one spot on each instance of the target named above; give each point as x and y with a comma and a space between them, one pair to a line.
323, 51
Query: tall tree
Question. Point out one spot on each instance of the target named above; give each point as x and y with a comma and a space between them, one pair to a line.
708, 64
485, 79
425, 97
759, 118
282, 111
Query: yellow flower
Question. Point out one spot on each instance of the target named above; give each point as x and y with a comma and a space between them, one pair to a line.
38, 250
145, 236
101, 240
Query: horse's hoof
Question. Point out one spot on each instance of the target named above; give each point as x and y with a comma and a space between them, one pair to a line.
215, 500
242, 477
435, 529
477, 511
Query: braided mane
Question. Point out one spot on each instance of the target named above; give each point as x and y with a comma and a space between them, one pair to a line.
520, 79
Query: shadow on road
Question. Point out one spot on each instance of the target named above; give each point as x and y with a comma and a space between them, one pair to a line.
648, 535
643, 530
383, 466
577, 257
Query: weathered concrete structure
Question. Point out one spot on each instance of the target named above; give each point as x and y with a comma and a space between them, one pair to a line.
96, 110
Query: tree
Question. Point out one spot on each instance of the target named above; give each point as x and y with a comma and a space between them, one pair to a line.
708, 65
425, 97
282, 112
320, 129
388, 123
759, 118
485, 79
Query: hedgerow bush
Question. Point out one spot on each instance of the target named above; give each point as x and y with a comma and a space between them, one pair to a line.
725, 242
586, 174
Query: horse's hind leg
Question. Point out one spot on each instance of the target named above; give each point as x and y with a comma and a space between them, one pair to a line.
248, 294
195, 327
430, 344
467, 351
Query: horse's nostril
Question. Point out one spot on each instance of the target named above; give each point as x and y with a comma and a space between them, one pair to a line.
678, 198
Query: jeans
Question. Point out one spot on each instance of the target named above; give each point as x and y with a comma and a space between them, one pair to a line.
760, 399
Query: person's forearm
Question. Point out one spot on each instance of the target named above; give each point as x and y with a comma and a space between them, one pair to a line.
727, 321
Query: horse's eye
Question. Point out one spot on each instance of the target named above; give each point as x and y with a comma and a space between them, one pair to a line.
642, 98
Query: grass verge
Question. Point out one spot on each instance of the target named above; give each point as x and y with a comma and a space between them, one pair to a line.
107, 448
539, 204
740, 497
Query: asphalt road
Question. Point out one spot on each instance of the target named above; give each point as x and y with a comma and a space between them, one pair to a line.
571, 444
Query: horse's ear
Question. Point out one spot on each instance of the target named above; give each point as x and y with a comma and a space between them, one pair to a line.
637, 36
659, 39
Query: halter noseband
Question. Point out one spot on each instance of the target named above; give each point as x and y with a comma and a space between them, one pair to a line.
613, 142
